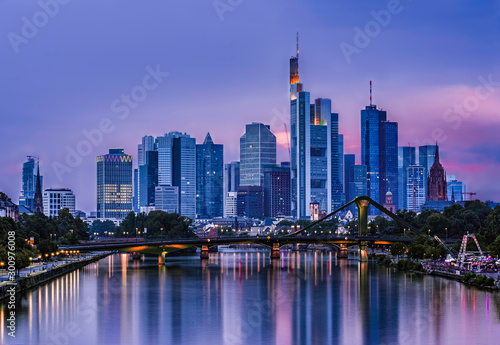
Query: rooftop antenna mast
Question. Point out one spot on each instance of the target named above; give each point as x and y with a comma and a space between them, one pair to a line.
297, 45
370, 93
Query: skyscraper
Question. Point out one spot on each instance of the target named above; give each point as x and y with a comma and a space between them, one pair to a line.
436, 183
184, 172
415, 188
316, 167
232, 177
209, 179
148, 178
406, 157
167, 198
27, 196
349, 160
426, 159
257, 148
277, 190
114, 184
456, 189
250, 202
379, 152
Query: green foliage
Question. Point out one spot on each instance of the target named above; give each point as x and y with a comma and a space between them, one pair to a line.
405, 264
383, 260
379, 224
418, 267
398, 249
102, 228
159, 224
491, 229
468, 276
494, 248
46, 247
416, 251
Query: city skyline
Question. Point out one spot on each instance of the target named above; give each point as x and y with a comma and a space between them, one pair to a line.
414, 92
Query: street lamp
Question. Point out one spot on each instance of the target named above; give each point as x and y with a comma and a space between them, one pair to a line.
446, 229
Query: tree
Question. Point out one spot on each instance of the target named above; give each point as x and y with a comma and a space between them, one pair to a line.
416, 251
495, 246
436, 223
47, 247
379, 224
491, 229
398, 249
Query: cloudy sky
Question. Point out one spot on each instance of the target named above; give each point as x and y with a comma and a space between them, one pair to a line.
116, 70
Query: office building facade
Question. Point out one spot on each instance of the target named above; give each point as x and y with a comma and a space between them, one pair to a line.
27, 197
114, 184
277, 195
415, 188
209, 179
406, 157
56, 199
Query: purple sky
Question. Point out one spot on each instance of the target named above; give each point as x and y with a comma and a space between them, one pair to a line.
425, 61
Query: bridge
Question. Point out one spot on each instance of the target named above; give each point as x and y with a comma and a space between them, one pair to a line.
363, 240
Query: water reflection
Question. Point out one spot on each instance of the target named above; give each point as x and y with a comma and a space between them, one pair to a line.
245, 298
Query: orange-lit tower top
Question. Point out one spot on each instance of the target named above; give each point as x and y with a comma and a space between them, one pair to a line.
294, 66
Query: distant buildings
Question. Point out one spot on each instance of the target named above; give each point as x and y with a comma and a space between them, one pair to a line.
209, 179
231, 205
167, 198
415, 188
436, 184
250, 201
379, 152
426, 156
257, 148
8, 208
56, 199
277, 196
114, 184
27, 197
455, 189
406, 157
231, 184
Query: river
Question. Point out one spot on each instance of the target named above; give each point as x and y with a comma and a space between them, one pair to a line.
245, 298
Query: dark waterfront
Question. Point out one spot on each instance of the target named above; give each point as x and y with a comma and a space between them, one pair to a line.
245, 298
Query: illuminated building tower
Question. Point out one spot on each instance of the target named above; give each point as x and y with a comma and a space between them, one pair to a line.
277, 190
415, 187
27, 196
316, 157
38, 200
406, 157
389, 204
257, 148
114, 184
379, 152
56, 199
426, 157
209, 179
436, 183
184, 172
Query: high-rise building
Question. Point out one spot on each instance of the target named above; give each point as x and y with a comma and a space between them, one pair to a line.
426, 156
167, 199
456, 189
415, 188
184, 172
406, 157
56, 199
114, 184
135, 198
379, 152
349, 160
232, 177
148, 178
209, 179
27, 196
250, 202
359, 184
436, 183
277, 190
230, 209
257, 148
316, 155
165, 158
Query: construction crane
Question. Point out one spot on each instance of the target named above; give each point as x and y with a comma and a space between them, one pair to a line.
463, 247
288, 142
450, 250
469, 194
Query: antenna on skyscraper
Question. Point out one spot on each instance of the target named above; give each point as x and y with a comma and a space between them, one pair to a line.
297, 45
370, 93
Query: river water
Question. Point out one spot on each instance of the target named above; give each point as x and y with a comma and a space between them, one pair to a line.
245, 298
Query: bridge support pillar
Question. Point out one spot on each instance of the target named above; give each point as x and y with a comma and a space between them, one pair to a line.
275, 251
161, 259
363, 254
204, 253
342, 252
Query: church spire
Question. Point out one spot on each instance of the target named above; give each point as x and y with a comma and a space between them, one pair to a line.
38, 201
436, 154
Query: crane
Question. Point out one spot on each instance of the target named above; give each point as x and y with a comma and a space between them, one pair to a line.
450, 250
469, 194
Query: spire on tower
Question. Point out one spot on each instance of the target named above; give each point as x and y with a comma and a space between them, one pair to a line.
370, 93
297, 45
436, 154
